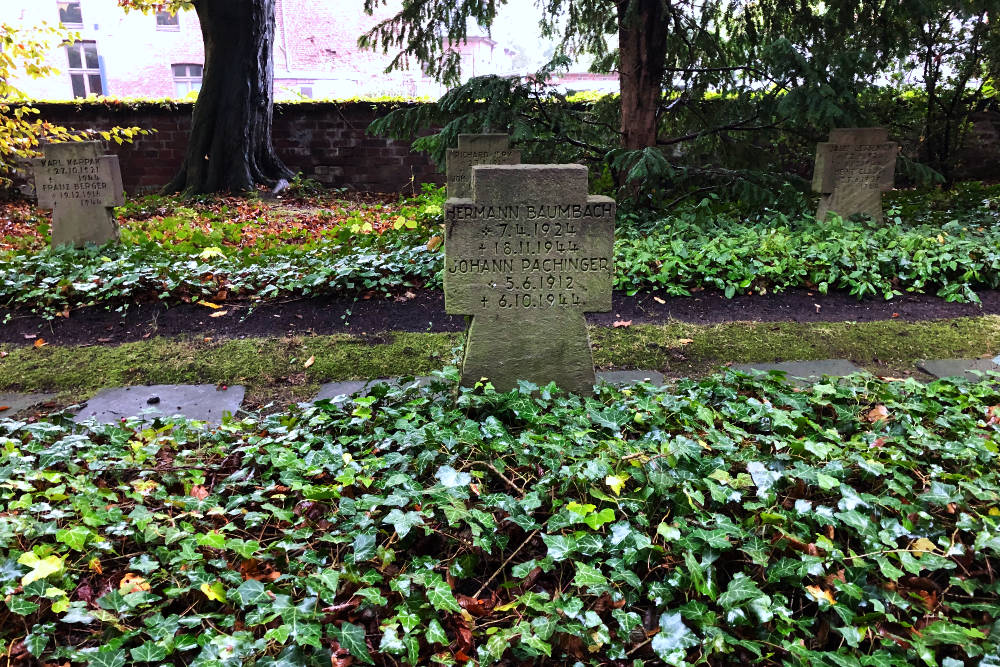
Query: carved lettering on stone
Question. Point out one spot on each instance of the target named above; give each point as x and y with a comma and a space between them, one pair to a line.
476, 149
81, 186
526, 256
852, 171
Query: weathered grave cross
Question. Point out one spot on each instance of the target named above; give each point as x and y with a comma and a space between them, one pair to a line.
81, 187
526, 257
853, 169
476, 149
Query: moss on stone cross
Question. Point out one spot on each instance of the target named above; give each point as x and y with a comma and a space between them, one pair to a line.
81, 187
526, 256
852, 171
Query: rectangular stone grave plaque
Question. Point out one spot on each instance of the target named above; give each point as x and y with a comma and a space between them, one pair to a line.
476, 149
526, 256
852, 171
81, 186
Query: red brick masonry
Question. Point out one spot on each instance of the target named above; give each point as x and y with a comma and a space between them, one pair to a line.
323, 140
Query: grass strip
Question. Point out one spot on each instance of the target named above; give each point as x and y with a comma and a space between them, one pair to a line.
276, 368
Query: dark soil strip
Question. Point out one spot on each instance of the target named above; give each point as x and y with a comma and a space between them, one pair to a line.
424, 311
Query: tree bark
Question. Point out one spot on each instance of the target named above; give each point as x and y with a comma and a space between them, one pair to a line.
642, 48
230, 148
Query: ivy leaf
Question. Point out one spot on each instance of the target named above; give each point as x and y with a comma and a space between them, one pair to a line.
251, 592
21, 605
587, 576
364, 547
148, 652
108, 658
560, 546
674, 638
402, 522
440, 596
352, 637
75, 538
598, 519
38, 638
451, 478
41, 568
741, 589
214, 591
435, 633
616, 483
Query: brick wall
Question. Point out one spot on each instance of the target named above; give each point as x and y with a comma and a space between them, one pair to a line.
325, 141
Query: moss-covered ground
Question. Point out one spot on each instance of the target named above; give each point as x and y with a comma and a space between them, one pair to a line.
289, 369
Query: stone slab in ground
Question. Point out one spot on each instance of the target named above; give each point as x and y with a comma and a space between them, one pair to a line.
204, 402
810, 371
347, 388
12, 404
630, 377
942, 368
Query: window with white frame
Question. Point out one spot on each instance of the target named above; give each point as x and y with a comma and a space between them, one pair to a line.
187, 79
84, 69
70, 14
167, 21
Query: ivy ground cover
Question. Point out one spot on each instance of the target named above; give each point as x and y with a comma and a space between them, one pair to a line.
224, 250
730, 520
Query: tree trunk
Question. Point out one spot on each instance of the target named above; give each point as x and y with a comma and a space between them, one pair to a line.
230, 148
642, 47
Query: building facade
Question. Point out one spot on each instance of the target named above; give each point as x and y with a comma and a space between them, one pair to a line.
316, 55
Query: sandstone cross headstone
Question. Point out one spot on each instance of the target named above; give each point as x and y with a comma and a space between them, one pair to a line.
476, 149
852, 171
526, 256
80, 186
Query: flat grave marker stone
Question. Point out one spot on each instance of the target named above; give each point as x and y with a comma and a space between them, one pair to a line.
81, 186
852, 171
204, 402
944, 368
526, 257
476, 149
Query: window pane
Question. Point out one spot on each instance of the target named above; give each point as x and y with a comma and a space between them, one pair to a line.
179, 70
180, 89
166, 18
195, 70
95, 84
69, 13
196, 86
73, 52
79, 89
90, 50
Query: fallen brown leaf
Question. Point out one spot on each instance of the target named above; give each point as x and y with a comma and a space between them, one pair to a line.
309, 362
199, 492
219, 313
622, 323
877, 414
132, 583
685, 341
659, 300
434, 242
40, 343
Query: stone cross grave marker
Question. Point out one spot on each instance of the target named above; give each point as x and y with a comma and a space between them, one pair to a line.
526, 256
852, 171
80, 186
476, 149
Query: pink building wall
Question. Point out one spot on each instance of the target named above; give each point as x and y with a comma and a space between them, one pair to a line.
315, 55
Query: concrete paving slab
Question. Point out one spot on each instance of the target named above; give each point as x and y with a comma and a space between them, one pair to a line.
630, 377
807, 371
943, 368
339, 392
13, 404
203, 402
